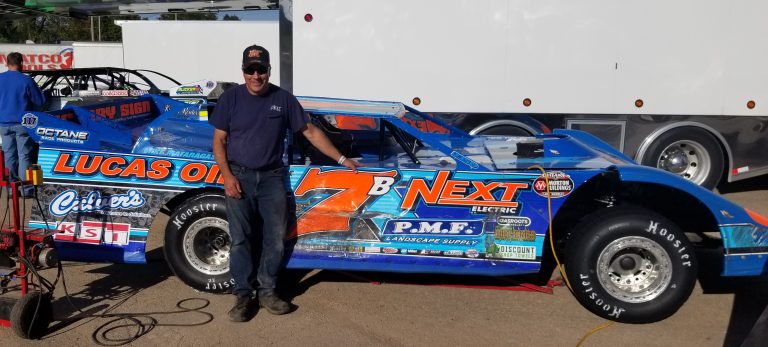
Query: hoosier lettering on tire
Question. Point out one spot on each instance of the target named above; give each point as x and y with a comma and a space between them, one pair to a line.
630, 265
197, 243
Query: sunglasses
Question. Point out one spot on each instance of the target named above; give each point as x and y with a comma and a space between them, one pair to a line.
260, 69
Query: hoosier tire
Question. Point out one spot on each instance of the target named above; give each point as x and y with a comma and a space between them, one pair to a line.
197, 244
31, 315
630, 265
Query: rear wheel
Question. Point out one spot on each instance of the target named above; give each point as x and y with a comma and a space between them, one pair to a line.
691, 153
197, 244
630, 265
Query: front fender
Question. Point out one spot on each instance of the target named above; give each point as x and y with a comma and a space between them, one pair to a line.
744, 232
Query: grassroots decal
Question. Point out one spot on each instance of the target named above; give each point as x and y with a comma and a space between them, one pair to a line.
481, 196
69, 201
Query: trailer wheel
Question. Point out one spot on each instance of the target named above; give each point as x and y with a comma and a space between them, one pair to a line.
630, 265
197, 243
31, 315
692, 153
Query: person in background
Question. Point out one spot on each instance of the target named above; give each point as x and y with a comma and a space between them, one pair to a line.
17, 92
251, 122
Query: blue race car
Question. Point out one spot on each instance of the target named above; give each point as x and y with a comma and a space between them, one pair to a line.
427, 202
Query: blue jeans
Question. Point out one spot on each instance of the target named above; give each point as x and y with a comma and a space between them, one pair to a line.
18, 147
263, 199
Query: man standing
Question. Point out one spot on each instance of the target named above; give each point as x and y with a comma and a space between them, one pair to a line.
251, 121
17, 92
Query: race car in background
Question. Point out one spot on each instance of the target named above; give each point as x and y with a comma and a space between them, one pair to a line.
83, 86
426, 202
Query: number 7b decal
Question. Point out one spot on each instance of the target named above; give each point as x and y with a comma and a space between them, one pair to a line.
332, 198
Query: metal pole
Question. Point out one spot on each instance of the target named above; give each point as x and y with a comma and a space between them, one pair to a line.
99, 18
91, 18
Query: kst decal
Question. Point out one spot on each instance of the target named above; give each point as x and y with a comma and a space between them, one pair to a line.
342, 195
93, 232
482, 196
69, 201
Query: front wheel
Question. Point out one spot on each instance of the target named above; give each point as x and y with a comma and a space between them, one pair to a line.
630, 265
197, 244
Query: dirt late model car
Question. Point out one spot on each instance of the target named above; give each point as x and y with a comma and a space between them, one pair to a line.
444, 202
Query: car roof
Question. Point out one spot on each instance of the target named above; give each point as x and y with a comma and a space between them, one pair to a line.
375, 109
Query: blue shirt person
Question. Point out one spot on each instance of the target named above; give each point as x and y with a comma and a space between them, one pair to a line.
17, 92
251, 121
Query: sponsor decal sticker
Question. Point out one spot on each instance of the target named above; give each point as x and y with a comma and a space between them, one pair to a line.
190, 90
62, 135
93, 232
390, 250
560, 184
436, 227
131, 109
516, 252
515, 235
29, 121
69, 201
481, 196
117, 92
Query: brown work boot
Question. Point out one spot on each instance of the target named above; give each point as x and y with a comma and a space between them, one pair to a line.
273, 304
243, 309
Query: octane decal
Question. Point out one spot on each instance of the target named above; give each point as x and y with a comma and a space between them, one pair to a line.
482, 196
69, 201
62, 135
332, 198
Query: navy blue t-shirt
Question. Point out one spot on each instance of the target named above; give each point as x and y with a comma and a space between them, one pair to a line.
256, 124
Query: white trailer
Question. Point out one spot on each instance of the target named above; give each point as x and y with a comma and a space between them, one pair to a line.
680, 85
196, 50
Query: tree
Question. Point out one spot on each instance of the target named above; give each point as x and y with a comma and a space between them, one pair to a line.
232, 17
189, 16
55, 29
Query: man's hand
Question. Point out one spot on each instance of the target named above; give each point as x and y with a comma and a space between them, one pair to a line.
351, 164
232, 187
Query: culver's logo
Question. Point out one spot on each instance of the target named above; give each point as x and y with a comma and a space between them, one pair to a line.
69, 201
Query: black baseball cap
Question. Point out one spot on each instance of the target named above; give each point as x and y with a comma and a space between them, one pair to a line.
255, 55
